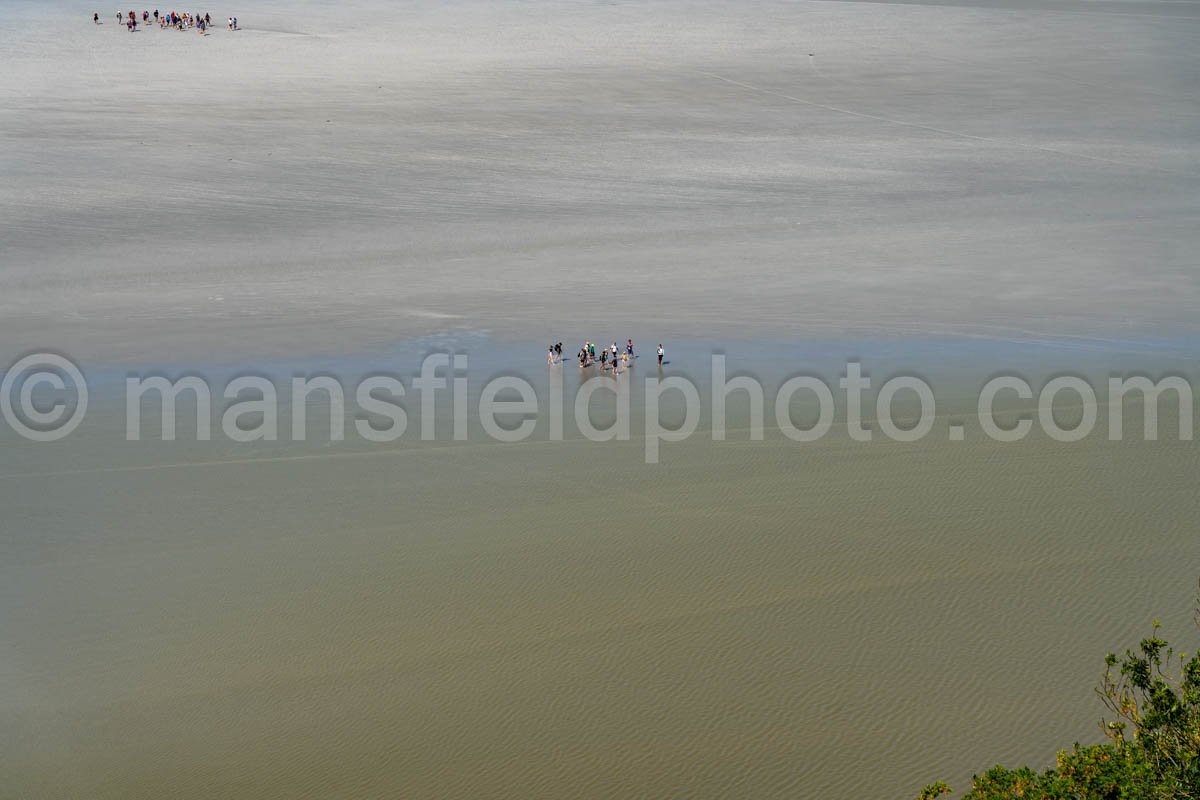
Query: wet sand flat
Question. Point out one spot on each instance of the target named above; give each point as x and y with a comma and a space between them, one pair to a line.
938, 186
329, 179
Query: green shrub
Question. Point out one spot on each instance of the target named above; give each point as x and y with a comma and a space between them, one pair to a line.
1152, 695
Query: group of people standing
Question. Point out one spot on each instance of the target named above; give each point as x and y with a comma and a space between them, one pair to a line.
171, 19
608, 358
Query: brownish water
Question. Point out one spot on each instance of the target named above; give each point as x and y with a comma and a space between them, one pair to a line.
759, 620
558, 619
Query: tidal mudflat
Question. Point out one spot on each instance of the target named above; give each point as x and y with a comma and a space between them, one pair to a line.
950, 190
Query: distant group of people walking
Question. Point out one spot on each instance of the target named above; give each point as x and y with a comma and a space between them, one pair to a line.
171, 19
608, 357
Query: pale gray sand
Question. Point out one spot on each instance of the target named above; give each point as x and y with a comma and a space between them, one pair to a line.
750, 619
323, 181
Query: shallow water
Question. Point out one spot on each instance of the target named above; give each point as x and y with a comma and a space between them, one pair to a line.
949, 190
547, 618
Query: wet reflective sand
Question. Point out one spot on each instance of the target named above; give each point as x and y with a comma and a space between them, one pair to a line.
951, 190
